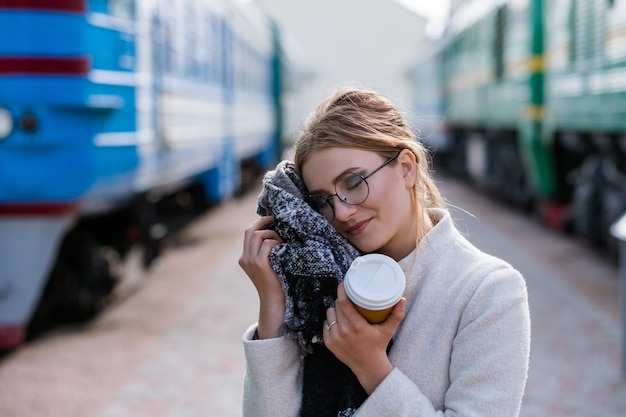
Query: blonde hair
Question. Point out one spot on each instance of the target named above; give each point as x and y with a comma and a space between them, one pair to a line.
363, 119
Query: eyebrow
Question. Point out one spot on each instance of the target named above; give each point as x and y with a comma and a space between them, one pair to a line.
321, 193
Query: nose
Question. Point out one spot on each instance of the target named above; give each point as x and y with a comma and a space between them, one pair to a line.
343, 211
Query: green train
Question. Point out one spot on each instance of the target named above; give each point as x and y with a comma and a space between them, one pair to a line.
527, 98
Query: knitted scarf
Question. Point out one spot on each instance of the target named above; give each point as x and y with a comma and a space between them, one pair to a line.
310, 263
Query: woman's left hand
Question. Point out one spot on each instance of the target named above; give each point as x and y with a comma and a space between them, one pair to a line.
358, 344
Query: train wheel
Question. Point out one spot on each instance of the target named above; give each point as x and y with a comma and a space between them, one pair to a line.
613, 199
79, 286
587, 200
510, 179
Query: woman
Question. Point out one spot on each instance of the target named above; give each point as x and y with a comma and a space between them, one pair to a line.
457, 344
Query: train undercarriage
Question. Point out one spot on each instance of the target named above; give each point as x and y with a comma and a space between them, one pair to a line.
591, 178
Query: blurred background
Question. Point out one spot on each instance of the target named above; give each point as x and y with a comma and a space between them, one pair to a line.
133, 139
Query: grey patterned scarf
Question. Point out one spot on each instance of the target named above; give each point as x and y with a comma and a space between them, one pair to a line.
310, 263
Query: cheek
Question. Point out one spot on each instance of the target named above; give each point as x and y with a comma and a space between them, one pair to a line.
398, 207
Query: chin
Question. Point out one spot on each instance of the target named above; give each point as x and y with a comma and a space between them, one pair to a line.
364, 248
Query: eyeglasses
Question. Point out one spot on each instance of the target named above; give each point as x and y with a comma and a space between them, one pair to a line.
350, 188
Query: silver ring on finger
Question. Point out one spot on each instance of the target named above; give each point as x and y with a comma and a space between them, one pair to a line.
329, 325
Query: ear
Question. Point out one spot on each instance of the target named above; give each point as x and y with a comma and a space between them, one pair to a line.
408, 165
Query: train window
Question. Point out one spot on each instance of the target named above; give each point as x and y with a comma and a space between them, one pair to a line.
574, 36
121, 8
217, 45
498, 42
587, 28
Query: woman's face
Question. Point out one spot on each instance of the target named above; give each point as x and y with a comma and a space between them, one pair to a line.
386, 221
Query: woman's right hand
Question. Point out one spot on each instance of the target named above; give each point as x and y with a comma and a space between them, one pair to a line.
257, 243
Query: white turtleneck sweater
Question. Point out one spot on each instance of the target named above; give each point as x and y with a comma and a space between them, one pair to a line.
461, 350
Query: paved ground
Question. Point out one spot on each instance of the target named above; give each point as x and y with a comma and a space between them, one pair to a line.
172, 348
576, 348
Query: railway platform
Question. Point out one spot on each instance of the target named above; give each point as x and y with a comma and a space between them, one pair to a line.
170, 346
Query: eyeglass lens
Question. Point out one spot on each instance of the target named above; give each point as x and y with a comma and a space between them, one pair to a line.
351, 188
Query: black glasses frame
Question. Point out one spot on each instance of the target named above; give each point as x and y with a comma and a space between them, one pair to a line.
329, 198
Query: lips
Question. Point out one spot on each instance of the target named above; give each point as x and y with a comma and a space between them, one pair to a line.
357, 228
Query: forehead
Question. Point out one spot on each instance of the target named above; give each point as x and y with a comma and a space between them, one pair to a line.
324, 166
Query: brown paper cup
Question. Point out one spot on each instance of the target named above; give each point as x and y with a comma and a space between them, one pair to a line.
374, 316
374, 283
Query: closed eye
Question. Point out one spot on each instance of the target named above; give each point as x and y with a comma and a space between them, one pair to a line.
352, 181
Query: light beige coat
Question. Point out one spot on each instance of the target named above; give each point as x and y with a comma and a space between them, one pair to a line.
462, 349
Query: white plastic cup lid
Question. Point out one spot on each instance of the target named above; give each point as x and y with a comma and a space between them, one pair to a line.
374, 282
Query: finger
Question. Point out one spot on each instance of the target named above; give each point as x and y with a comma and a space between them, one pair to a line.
254, 241
331, 315
265, 221
396, 317
346, 312
256, 249
341, 290
329, 323
261, 236
259, 224
267, 245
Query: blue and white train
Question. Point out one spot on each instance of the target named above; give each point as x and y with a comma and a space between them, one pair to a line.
119, 119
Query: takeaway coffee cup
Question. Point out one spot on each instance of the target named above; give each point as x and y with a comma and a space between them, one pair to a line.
374, 283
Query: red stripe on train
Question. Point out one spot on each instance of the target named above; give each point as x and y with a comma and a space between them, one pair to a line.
73, 6
38, 209
11, 335
77, 66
